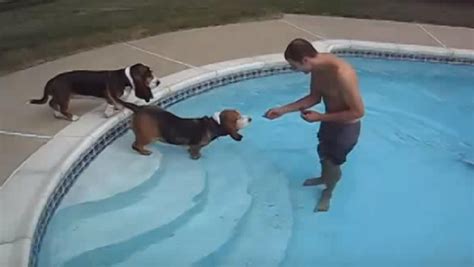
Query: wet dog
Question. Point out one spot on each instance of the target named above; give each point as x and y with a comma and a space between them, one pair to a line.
150, 123
108, 84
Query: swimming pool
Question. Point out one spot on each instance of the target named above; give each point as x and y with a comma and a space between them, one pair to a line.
405, 198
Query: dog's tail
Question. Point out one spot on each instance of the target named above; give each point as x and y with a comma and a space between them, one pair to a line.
128, 105
46, 93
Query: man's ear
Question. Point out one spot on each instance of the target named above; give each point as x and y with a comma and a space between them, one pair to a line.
304, 61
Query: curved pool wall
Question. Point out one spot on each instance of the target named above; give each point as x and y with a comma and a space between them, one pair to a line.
35, 190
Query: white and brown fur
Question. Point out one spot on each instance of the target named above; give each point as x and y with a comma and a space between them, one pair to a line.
107, 84
151, 123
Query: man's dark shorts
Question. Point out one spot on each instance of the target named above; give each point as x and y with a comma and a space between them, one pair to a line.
336, 140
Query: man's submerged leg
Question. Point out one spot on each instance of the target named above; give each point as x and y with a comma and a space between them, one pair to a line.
330, 175
313, 181
322, 152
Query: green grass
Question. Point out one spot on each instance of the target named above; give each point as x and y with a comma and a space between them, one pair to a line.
34, 31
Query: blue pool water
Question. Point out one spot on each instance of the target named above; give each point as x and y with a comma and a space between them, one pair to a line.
406, 197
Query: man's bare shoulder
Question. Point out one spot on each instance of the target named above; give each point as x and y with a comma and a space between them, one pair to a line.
343, 65
346, 72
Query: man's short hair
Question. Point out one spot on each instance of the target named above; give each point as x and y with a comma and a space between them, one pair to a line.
298, 49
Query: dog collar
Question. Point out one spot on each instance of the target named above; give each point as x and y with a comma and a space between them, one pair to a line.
129, 77
217, 117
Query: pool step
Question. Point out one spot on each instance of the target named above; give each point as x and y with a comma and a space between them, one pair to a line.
174, 191
227, 202
103, 179
263, 235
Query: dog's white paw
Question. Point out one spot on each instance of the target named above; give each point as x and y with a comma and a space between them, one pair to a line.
118, 108
58, 114
109, 111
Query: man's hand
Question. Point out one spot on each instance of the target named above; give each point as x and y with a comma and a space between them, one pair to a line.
311, 116
273, 113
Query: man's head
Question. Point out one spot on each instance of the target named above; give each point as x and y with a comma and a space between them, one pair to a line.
298, 53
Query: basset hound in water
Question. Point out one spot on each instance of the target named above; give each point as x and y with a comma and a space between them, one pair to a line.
107, 84
150, 123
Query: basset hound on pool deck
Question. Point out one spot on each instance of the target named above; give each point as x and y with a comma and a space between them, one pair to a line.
150, 123
107, 84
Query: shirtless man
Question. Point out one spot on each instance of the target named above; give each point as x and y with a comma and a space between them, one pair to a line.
335, 82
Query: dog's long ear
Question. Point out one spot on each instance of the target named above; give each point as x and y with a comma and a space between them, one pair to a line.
142, 90
228, 121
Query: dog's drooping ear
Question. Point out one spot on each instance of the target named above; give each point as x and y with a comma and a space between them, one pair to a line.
228, 119
142, 77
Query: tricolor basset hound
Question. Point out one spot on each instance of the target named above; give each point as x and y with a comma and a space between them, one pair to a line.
107, 84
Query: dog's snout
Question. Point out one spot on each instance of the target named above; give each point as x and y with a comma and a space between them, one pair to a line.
154, 82
243, 122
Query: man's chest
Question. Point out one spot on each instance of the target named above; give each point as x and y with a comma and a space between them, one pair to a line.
329, 89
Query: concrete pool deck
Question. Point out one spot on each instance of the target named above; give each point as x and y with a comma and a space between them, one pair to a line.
30, 127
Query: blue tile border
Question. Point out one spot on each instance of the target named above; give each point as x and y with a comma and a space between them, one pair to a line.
218, 82
83, 161
423, 57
